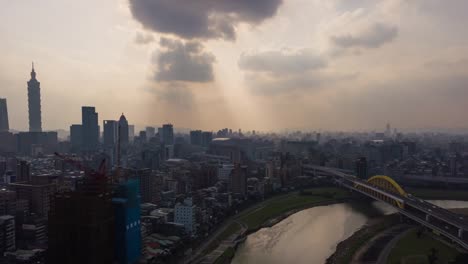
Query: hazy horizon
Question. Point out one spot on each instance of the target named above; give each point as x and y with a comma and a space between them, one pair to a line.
268, 65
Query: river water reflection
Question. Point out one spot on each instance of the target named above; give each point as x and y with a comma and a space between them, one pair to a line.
310, 236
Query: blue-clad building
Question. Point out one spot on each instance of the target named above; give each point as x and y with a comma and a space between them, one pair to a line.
126, 203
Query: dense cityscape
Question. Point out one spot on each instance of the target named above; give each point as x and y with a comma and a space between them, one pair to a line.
234, 132
117, 195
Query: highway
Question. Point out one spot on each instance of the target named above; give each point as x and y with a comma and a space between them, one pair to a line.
445, 222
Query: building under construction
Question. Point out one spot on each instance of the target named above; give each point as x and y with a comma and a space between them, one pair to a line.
81, 223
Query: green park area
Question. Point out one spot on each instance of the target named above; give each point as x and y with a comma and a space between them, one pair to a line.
421, 248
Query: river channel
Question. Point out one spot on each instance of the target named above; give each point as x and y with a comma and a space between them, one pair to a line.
311, 235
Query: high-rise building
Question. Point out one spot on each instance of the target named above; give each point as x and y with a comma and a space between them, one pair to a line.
76, 137
4, 125
7, 233
238, 179
23, 171
185, 214
207, 137
150, 132
131, 132
127, 239
123, 131
196, 137
149, 186
167, 134
90, 128
37, 194
34, 103
81, 225
110, 133
7, 202
143, 137
361, 168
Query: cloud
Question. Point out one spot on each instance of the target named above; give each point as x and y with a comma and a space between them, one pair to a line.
207, 19
287, 72
414, 100
281, 62
295, 84
185, 62
373, 37
142, 38
176, 96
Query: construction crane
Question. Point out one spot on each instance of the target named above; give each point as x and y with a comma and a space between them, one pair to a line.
100, 174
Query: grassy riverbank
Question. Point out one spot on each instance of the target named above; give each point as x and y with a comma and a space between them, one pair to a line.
417, 249
281, 205
276, 207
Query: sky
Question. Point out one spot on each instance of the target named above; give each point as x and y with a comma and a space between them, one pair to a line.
257, 65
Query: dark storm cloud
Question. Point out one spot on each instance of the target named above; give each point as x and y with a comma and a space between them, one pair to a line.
279, 62
201, 18
375, 36
142, 38
185, 62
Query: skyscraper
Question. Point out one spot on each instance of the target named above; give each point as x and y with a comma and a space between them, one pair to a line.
167, 134
4, 126
196, 137
76, 137
123, 131
110, 133
127, 229
150, 132
34, 103
90, 128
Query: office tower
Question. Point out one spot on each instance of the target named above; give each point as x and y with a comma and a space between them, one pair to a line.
7, 234
4, 126
123, 131
7, 202
150, 132
34, 143
90, 128
150, 186
185, 214
127, 239
167, 134
76, 137
23, 171
238, 179
207, 137
36, 193
361, 168
110, 133
196, 137
81, 225
34, 103
131, 132
142, 137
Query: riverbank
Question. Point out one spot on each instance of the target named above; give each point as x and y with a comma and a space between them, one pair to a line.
276, 209
346, 249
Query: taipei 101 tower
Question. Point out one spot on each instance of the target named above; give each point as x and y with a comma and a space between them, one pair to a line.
34, 103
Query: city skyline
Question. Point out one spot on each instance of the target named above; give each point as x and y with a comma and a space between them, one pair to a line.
267, 69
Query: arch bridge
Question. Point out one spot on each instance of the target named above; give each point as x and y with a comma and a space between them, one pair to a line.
385, 189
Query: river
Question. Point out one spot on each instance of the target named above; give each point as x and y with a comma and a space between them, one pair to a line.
311, 235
